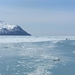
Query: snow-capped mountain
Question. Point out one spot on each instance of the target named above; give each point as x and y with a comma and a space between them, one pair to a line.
7, 29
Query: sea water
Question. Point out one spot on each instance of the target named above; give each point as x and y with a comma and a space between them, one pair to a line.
37, 55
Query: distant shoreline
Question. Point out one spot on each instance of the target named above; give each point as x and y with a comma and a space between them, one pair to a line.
14, 35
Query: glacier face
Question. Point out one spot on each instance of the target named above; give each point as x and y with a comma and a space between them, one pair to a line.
7, 29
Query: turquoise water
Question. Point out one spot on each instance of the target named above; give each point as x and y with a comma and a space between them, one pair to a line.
20, 55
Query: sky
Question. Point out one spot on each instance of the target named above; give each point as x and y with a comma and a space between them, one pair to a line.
40, 17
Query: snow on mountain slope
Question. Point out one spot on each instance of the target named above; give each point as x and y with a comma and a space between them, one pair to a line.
7, 29
6, 25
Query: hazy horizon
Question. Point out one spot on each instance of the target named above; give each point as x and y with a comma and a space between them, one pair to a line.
40, 17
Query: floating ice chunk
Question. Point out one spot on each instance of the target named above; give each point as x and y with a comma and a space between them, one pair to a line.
73, 51
0, 56
17, 65
41, 70
16, 73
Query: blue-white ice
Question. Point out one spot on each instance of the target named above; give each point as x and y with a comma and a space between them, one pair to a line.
11, 39
23, 55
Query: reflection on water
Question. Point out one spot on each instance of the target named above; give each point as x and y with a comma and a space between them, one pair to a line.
37, 58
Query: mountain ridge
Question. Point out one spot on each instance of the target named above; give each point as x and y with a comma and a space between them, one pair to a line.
8, 29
